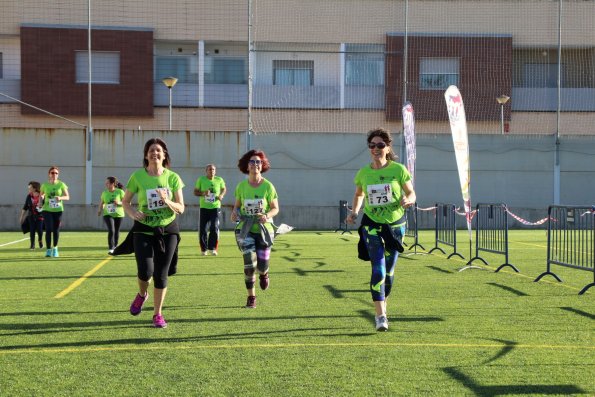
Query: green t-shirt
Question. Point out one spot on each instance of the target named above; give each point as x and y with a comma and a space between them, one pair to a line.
144, 185
215, 186
255, 200
50, 191
109, 207
382, 189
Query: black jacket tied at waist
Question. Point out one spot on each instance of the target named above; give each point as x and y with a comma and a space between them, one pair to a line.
391, 240
127, 246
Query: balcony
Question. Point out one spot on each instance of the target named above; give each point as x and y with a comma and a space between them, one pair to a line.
546, 99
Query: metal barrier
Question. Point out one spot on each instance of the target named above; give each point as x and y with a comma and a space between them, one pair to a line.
343, 212
446, 228
571, 240
411, 231
491, 232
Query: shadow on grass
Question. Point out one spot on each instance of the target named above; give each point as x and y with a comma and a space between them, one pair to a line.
579, 312
339, 293
509, 289
489, 391
301, 272
370, 316
439, 269
163, 338
507, 347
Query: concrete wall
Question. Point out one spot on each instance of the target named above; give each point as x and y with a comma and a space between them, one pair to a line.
311, 172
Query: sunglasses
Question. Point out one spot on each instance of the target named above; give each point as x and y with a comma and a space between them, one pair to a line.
54, 173
254, 162
379, 145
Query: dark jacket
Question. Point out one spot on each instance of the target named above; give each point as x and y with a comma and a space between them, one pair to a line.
391, 241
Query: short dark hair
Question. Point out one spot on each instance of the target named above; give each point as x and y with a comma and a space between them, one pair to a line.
243, 162
160, 142
35, 185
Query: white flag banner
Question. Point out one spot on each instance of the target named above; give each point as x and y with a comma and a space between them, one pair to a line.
409, 133
458, 126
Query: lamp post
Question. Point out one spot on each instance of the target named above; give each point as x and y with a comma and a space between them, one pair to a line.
169, 83
502, 99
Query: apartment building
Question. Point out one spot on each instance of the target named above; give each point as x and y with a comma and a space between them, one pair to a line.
337, 60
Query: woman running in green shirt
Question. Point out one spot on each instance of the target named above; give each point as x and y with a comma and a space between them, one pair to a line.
155, 232
53, 192
110, 206
384, 188
256, 204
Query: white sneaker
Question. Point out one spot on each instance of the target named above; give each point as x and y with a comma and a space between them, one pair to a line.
381, 323
204, 253
110, 251
214, 252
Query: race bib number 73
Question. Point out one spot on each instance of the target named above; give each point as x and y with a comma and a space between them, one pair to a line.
380, 195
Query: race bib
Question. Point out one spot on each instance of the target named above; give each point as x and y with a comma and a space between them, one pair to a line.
210, 198
111, 208
253, 206
380, 195
154, 201
54, 203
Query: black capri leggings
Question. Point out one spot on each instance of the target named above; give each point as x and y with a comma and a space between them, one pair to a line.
150, 262
113, 230
51, 221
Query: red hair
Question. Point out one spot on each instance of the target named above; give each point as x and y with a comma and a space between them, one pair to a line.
243, 162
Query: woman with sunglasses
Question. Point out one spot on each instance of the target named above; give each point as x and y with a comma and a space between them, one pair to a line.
155, 233
256, 204
384, 188
53, 192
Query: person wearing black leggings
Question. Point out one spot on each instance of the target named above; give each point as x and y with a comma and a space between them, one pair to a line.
110, 206
54, 193
155, 231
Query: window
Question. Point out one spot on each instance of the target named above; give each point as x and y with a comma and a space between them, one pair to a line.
293, 73
542, 75
438, 73
364, 65
220, 70
105, 70
182, 67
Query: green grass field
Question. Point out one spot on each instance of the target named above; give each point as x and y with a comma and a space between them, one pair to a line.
65, 328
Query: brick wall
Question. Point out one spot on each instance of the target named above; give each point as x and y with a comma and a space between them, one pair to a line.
485, 73
49, 71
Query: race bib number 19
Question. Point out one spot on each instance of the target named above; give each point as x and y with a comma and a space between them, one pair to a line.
380, 195
154, 201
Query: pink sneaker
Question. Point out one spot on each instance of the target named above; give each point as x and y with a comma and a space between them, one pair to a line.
137, 304
251, 302
159, 321
264, 281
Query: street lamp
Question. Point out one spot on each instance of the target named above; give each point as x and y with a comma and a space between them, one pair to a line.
502, 99
169, 83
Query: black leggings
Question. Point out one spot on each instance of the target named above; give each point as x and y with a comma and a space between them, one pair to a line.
113, 230
150, 262
35, 226
52, 227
